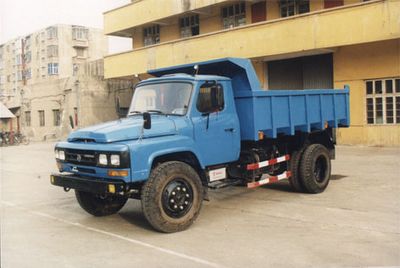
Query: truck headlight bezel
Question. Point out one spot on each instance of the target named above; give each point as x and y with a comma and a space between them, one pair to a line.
61, 155
102, 159
115, 160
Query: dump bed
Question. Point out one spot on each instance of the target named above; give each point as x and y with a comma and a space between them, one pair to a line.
286, 111
273, 112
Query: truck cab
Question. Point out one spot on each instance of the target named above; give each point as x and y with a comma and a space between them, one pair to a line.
183, 134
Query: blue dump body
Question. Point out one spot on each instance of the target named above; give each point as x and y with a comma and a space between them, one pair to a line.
273, 111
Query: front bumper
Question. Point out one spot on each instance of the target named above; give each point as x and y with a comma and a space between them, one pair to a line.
88, 184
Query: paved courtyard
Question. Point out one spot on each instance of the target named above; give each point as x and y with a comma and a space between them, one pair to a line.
355, 222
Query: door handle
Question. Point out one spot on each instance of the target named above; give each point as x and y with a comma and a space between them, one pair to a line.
230, 129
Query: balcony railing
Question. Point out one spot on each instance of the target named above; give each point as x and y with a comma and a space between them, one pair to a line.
324, 29
118, 21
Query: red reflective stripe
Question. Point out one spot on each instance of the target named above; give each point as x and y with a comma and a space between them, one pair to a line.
273, 161
267, 163
252, 166
273, 179
268, 180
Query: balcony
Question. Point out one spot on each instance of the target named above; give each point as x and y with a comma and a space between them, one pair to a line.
80, 43
315, 31
118, 21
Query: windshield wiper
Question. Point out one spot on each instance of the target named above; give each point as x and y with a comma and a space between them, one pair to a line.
135, 112
156, 111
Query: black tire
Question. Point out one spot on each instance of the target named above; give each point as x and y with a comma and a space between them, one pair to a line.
315, 168
98, 205
294, 180
172, 197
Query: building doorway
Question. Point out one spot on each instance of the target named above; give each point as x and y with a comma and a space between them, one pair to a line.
311, 72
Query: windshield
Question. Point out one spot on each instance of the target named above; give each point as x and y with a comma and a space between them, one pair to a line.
166, 98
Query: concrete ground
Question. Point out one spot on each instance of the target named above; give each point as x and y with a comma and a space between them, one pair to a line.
355, 222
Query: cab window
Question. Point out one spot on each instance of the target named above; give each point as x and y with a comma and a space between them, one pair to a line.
211, 98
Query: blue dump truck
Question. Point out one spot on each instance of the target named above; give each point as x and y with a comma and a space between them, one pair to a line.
197, 127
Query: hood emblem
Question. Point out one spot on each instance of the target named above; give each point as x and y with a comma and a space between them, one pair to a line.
79, 158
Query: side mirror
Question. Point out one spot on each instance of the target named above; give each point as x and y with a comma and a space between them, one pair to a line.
146, 120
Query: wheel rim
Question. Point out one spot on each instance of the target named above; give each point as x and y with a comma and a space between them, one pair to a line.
177, 198
320, 169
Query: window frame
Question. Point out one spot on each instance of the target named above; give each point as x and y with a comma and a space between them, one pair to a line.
52, 33
52, 51
56, 117
80, 33
151, 35
378, 99
28, 118
218, 85
188, 26
52, 68
296, 5
232, 14
42, 118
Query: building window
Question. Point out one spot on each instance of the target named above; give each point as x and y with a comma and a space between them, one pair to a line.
28, 73
51, 33
52, 51
234, 15
18, 59
27, 42
41, 118
79, 33
383, 101
52, 68
28, 57
293, 7
28, 119
80, 52
189, 26
151, 35
56, 117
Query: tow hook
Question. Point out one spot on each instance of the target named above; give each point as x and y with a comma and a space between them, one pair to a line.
66, 189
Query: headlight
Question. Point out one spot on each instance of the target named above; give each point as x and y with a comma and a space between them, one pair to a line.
61, 155
103, 159
115, 161
56, 154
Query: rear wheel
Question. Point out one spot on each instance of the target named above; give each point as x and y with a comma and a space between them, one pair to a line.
100, 205
294, 180
315, 168
172, 197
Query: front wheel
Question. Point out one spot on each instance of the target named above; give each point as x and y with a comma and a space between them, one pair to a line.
100, 205
315, 168
172, 197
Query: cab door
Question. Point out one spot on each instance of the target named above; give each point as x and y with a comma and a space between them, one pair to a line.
216, 124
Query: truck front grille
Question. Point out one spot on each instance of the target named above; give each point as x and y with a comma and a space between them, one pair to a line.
81, 157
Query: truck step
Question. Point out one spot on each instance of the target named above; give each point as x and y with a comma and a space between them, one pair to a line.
265, 179
224, 183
